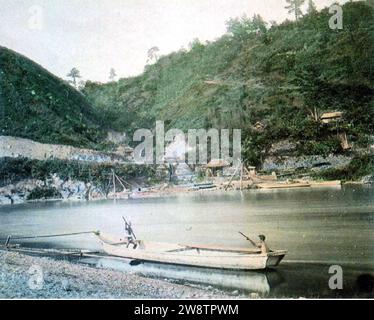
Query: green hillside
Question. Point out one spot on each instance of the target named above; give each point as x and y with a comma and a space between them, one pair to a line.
278, 76
37, 105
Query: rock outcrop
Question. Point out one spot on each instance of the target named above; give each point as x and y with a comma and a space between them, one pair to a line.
67, 190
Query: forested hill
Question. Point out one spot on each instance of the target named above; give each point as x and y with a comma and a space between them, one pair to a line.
272, 81
37, 105
269, 80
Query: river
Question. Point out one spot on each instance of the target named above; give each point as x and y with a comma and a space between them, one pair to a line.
318, 227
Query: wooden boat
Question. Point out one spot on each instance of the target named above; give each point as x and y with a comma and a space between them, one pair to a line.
199, 256
283, 185
317, 184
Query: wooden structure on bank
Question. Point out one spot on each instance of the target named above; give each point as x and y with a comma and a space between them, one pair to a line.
246, 173
115, 194
342, 136
336, 117
125, 150
216, 165
329, 117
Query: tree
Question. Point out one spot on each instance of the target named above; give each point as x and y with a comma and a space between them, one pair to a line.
245, 27
294, 6
74, 74
153, 54
81, 85
259, 24
112, 74
311, 7
195, 44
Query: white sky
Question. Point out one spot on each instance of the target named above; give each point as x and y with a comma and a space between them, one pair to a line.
96, 35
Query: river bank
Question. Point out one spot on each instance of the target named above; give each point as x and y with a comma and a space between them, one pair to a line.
174, 192
25, 179
27, 277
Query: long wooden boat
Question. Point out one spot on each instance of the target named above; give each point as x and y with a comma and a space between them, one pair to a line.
199, 256
283, 185
317, 184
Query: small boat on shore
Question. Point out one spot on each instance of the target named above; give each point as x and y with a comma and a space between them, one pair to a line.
191, 255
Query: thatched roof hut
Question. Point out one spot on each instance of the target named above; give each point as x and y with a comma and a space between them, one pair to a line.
217, 164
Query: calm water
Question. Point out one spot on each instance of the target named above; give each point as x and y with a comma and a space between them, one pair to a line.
318, 227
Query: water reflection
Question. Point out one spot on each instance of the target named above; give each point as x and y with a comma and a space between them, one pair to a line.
261, 282
290, 280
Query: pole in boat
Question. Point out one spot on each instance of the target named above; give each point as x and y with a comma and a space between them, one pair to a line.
129, 228
252, 242
7, 241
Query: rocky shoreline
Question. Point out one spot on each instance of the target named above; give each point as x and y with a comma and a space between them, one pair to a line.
77, 191
281, 160
29, 277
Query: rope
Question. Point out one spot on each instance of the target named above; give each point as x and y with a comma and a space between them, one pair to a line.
49, 236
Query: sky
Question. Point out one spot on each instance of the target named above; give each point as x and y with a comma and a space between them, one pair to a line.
97, 35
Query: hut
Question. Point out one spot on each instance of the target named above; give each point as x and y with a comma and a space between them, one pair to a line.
251, 170
125, 151
216, 165
259, 126
331, 116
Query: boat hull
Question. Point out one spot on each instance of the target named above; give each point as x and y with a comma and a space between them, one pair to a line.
283, 185
193, 256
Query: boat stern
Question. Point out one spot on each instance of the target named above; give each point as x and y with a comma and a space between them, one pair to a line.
274, 258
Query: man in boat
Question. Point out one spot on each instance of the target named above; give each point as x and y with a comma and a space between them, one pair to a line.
262, 244
130, 235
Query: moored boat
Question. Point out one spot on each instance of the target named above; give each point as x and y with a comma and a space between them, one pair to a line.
318, 184
191, 255
282, 185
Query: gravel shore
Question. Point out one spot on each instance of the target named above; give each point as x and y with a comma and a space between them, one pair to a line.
29, 277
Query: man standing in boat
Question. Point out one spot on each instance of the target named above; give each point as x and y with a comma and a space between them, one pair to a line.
262, 244
130, 235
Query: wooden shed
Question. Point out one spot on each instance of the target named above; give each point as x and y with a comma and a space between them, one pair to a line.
331, 116
217, 164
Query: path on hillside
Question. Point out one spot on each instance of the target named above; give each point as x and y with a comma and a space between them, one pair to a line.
15, 147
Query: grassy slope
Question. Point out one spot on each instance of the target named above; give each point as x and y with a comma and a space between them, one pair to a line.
274, 75
36, 104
